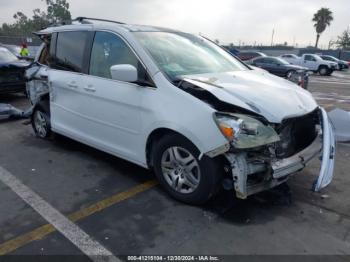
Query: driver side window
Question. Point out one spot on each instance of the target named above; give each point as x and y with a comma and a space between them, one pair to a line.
108, 49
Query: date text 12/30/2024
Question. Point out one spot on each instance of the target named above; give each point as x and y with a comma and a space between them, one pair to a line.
173, 258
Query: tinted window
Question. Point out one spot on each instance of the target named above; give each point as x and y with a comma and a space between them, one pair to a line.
309, 58
259, 60
270, 61
108, 49
70, 50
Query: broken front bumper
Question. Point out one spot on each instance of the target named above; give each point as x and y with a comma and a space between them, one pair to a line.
323, 146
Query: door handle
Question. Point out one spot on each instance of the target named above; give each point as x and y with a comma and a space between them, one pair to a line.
89, 88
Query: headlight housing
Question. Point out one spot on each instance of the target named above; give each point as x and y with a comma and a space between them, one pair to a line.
244, 131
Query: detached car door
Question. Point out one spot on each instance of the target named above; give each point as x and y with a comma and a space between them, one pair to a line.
112, 108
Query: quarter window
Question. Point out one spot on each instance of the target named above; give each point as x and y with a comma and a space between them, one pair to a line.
108, 50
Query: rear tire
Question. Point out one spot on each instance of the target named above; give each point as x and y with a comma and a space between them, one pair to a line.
41, 122
181, 173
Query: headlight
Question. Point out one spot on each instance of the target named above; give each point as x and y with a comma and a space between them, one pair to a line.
244, 131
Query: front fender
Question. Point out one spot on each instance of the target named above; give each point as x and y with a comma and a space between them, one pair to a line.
204, 146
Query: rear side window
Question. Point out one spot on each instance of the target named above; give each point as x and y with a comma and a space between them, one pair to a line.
71, 49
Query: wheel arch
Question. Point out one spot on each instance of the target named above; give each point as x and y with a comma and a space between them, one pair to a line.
43, 103
157, 134
322, 65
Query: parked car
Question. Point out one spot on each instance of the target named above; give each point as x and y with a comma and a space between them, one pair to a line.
188, 110
245, 55
313, 62
341, 63
11, 72
13, 49
282, 68
277, 66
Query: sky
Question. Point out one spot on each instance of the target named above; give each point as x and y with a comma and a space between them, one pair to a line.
229, 21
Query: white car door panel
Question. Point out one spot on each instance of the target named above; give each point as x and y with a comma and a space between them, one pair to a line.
111, 114
65, 96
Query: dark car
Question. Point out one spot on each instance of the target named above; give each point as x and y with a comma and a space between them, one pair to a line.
245, 55
11, 72
282, 68
16, 50
276, 66
341, 63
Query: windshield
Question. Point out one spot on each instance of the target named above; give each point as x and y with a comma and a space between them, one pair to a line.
179, 54
329, 58
6, 56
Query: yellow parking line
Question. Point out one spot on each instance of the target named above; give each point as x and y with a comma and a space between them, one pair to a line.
46, 229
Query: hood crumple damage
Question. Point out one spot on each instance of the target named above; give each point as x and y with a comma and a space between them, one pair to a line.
261, 93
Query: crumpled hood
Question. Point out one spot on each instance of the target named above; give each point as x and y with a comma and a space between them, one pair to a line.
270, 96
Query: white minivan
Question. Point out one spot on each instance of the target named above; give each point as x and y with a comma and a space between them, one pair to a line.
179, 105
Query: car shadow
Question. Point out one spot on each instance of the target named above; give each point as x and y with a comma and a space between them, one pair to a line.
224, 205
248, 211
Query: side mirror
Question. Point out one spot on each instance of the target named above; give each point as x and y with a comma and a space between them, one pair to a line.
124, 72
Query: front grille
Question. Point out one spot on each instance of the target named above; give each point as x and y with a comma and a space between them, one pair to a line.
12, 76
296, 134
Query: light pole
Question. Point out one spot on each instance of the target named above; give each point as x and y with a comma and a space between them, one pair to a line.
273, 33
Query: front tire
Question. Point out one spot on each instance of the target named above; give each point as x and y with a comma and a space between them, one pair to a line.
41, 123
181, 173
330, 72
323, 70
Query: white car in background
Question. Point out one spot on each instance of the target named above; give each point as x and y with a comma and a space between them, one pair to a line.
179, 105
313, 62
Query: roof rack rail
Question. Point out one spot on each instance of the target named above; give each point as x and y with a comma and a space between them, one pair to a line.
81, 19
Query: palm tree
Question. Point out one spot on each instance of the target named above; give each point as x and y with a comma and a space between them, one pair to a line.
322, 19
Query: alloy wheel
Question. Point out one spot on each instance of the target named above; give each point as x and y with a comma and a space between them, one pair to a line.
180, 169
40, 124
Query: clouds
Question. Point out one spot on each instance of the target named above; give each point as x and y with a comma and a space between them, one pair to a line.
228, 20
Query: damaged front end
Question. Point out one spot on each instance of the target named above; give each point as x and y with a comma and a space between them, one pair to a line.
262, 155
286, 149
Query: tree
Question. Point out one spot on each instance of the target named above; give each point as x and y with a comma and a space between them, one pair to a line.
57, 12
322, 19
344, 40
